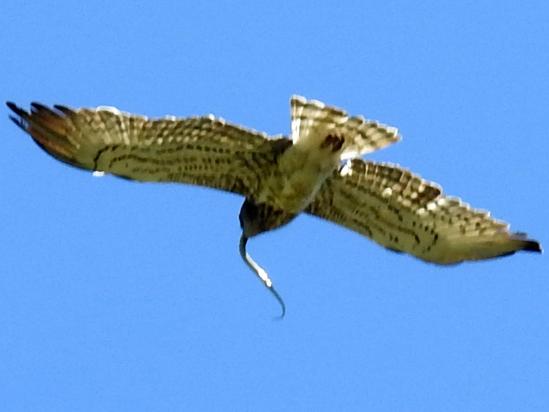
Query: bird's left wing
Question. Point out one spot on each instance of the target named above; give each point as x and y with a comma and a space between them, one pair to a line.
198, 150
405, 213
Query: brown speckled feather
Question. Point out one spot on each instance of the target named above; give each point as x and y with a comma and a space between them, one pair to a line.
199, 150
405, 213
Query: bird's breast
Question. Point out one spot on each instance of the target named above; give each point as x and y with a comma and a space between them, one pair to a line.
297, 179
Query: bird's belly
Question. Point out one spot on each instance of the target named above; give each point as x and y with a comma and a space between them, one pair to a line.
299, 189
297, 180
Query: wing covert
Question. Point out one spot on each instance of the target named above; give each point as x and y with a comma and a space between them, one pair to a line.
405, 213
202, 150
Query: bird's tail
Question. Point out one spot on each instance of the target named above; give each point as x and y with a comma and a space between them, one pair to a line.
314, 123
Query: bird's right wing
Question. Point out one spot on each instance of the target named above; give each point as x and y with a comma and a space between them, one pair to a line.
198, 150
405, 213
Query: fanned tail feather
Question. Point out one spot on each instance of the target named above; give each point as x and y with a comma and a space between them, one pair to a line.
313, 120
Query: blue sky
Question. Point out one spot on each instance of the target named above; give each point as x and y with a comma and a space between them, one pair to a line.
117, 296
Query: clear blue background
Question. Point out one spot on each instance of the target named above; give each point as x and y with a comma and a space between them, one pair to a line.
118, 296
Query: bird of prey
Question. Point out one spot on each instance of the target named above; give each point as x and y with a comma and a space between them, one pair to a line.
318, 170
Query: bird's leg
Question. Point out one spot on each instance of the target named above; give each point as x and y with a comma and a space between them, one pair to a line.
260, 272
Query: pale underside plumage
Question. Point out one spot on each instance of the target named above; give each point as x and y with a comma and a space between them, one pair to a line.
281, 177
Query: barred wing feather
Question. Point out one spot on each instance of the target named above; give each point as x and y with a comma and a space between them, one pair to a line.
405, 213
200, 150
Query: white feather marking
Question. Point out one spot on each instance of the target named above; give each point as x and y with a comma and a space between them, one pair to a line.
347, 169
431, 206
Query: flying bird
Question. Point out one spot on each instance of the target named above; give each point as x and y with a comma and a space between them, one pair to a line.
318, 170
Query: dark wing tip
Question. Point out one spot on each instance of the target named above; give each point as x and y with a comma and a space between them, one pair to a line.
36, 108
48, 130
17, 110
63, 109
528, 245
532, 246
21, 117
12, 106
18, 121
40, 109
